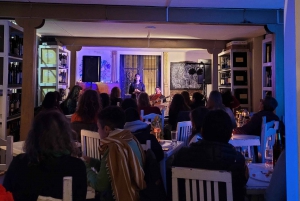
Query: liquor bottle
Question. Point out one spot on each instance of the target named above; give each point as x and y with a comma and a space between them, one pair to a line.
277, 148
9, 72
12, 105
20, 73
269, 79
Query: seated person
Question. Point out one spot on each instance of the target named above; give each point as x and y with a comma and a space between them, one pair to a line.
128, 103
121, 174
214, 152
197, 118
177, 105
197, 101
141, 131
115, 95
144, 104
253, 127
229, 100
157, 97
276, 191
104, 98
49, 156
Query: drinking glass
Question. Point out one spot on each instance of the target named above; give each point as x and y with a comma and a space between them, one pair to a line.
157, 130
269, 158
174, 137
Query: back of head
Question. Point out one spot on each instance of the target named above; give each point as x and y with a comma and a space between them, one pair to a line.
112, 116
131, 114
143, 100
186, 97
198, 98
197, 117
227, 97
50, 133
128, 103
104, 98
89, 105
217, 126
115, 92
269, 103
215, 100
74, 93
50, 101
178, 103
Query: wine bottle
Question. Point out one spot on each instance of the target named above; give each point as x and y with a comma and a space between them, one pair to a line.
12, 105
277, 148
20, 73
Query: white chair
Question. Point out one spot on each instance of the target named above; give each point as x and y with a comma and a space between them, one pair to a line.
184, 129
67, 192
268, 129
200, 176
147, 145
6, 155
151, 116
90, 141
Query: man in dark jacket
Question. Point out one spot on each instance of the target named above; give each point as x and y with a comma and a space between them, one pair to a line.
214, 152
141, 131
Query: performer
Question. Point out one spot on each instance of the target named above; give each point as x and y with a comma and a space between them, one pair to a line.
137, 86
157, 97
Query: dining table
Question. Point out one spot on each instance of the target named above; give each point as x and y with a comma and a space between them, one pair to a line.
242, 140
259, 178
170, 148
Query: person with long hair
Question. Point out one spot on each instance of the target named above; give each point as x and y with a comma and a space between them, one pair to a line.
115, 95
186, 97
50, 101
177, 105
68, 106
137, 86
144, 104
215, 103
104, 97
89, 106
197, 118
50, 154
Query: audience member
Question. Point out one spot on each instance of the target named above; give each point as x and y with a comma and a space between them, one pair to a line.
177, 105
115, 95
68, 106
215, 103
141, 131
128, 103
186, 97
144, 104
198, 100
120, 172
229, 100
48, 158
104, 98
197, 118
50, 102
214, 152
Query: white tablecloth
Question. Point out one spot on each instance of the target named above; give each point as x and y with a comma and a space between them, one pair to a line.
258, 181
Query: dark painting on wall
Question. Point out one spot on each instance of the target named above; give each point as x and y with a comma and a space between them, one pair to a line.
180, 77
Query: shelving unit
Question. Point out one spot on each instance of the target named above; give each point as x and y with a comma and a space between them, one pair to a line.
53, 73
268, 66
233, 74
11, 58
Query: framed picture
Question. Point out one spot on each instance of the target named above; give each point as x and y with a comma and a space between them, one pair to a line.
49, 56
239, 59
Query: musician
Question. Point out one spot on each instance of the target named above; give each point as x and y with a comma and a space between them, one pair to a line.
137, 86
157, 97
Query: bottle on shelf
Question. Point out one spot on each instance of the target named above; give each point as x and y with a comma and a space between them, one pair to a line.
268, 52
12, 105
269, 78
277, 148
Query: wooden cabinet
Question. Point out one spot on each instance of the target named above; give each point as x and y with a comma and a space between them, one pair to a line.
268, 66
53, 70
11, 58
233, 74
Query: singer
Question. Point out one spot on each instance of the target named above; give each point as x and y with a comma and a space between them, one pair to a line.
137, 86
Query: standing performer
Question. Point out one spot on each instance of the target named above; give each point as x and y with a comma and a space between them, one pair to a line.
137, 86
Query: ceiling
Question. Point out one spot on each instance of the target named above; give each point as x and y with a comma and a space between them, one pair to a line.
140, 30
267, 4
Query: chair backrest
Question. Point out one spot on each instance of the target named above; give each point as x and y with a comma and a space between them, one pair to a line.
200, 176
184, 129
147, 145
90, 141
268, 130
77, 126
151, 116
7, 154
67, 192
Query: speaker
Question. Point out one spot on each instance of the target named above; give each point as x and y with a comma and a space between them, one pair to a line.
91, 71
207, 75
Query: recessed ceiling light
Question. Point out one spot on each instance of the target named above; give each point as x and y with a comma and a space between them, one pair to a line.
150, 27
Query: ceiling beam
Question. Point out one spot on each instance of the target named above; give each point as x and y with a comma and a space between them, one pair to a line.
142, 43
89, 12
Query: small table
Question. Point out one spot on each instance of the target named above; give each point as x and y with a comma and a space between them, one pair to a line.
258, 182
173, 148
239, 140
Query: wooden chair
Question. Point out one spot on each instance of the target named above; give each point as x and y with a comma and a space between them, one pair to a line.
200, 176
184, 129
67, 192
90, 142
6, 155
151, 116
147, 145
268, 129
